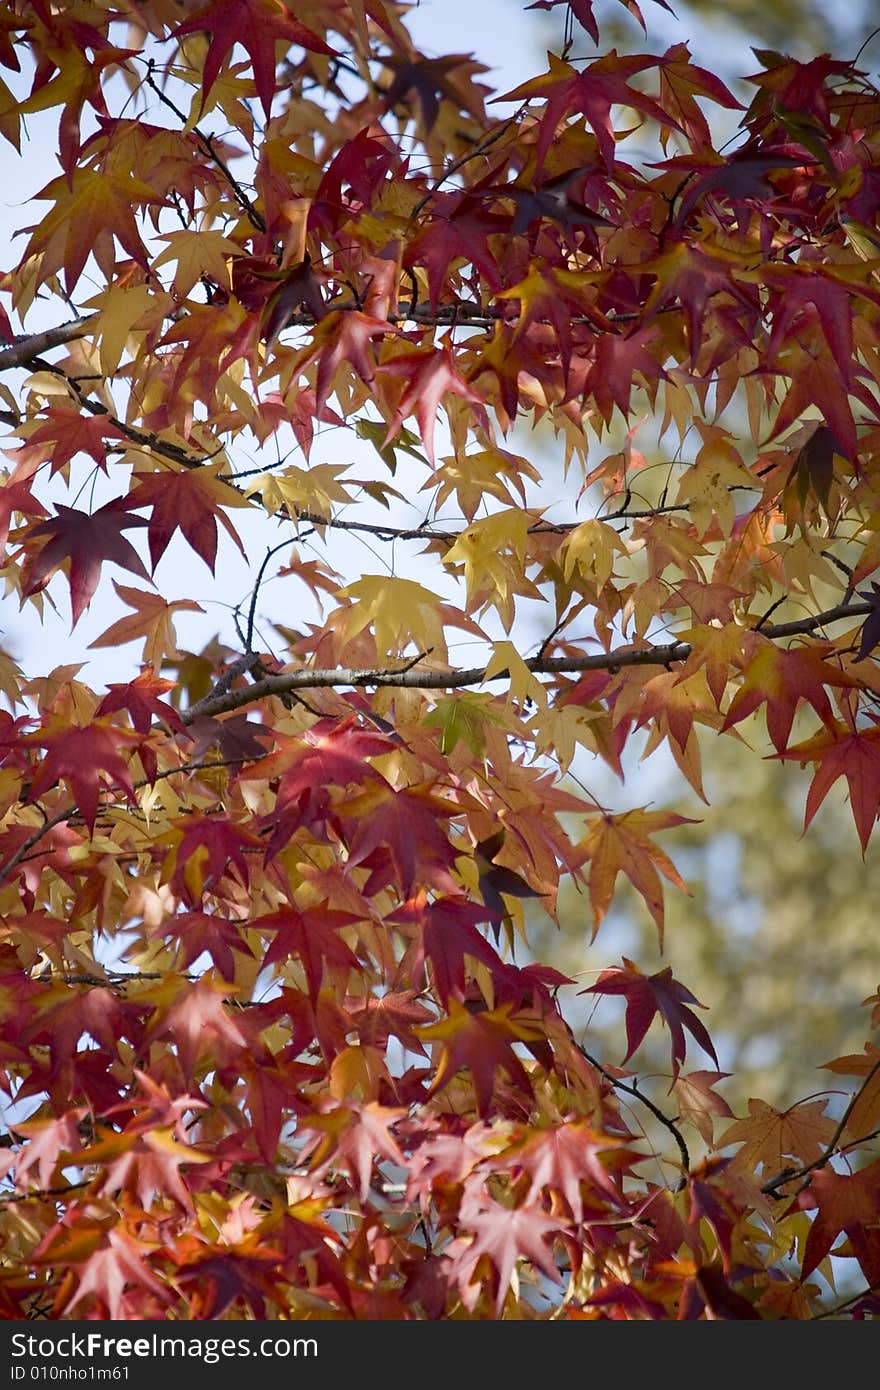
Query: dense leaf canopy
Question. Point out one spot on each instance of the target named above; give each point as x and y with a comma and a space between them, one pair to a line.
545, 424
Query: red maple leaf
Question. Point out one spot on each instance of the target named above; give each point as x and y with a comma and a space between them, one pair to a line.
140, 697
343, 337
617, 358
204, 932
87, 760
17, 497
313, 937
145, 1162
85, 541
408, 823
65, 433
358, 1135
562, 1157
458, 230
846, 1202
449, 933
781, 678
259, 26
196, 1022
332, 752
205, 850
392, 1015
593, 92
189, 500
483, 1043
647, 995
62, 1015
428, 374
114, 1267
843, 751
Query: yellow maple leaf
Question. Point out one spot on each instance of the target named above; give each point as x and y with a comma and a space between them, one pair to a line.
524, 685
493, 552
706, 485
313, 490
590, 549
400, 610
197, 254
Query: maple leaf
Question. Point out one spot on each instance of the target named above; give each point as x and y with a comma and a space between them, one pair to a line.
698, 1100
151, 620
84, 541
407, 822
63, 1015
458, 230
205, 850
87, 760
647, 995
217, 1277
65, 433
621, 844
140, 697
694, 275
145, 1164
192, 1015
592, 92
358, 1136
681, 82
428, 375
313, 937
49, 1144
204, 932
864, 1108
847, 1203
116, 1262
91, 209
742, 176
190, 500
773, 1140
506, 1236
435, 79
842, 751
563, 1157
483, 1043
17, 497
448, 934
395, 1015
344, 338
781, 678
259, 26
618, 356
332, 751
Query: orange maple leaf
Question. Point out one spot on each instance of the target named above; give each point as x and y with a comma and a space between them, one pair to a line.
621, 844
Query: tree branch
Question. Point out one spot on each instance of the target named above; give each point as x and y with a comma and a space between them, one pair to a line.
308, 678
632, 1089
30, 345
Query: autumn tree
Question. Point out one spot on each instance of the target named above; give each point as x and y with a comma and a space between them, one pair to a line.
546, 425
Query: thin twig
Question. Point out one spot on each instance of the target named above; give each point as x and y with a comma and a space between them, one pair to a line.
632, 1089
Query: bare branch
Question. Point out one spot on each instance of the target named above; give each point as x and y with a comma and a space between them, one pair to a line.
30, 345
307, 678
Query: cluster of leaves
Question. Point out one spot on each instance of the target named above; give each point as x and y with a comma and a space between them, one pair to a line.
266, 1047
